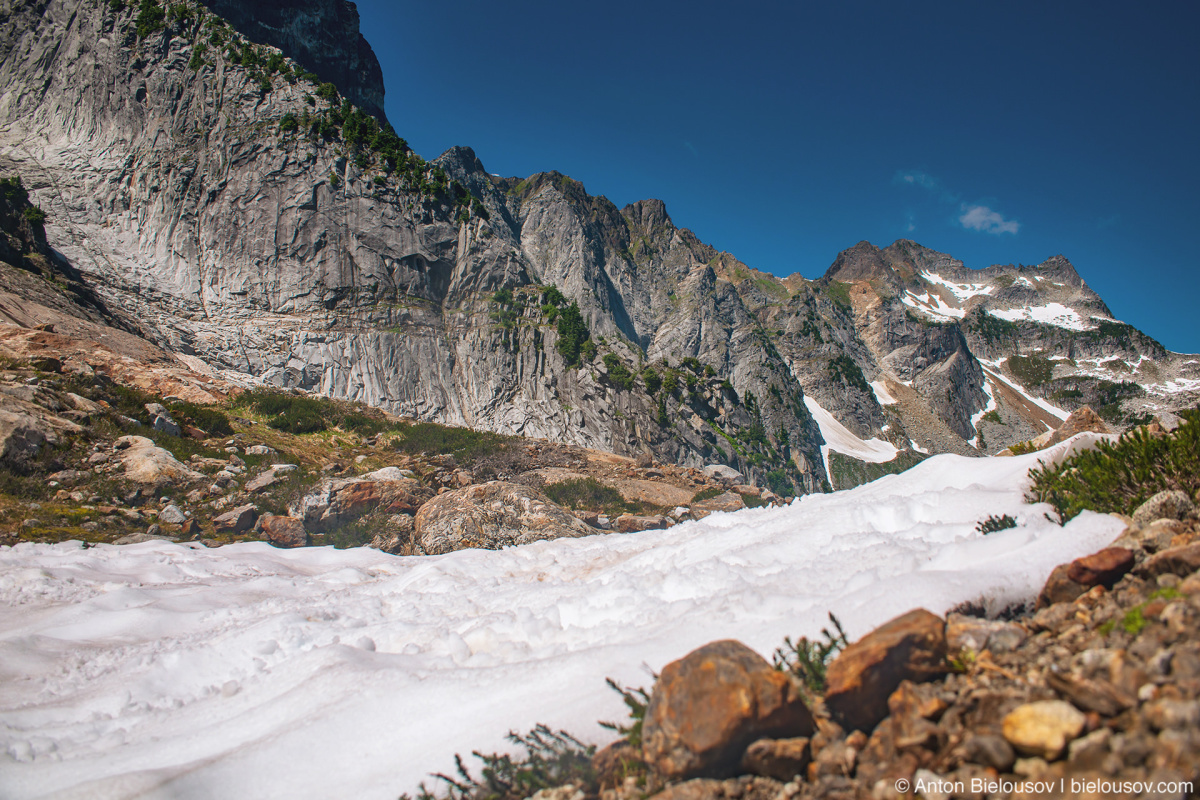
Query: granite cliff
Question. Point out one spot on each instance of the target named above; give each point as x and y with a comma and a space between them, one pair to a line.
223, 175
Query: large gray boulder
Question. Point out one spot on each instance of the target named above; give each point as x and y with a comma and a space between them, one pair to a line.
491, 516
145, 462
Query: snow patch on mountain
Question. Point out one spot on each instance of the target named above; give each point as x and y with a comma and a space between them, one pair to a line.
882, 395
841, 439
1055, 314
991, 404
932, 305
963, 291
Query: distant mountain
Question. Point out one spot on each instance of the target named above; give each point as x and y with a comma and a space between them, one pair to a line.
239, 203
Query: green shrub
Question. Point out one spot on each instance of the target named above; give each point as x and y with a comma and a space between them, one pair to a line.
670, 382
553, 296
208, 419
994, 523
618, 373
844, 370
636, 700
1032, 371
464, 444
1120, 476
572, 334
197, 60
150, 18
301, 414
652, 379
288, 123
35, 216
551, 759
585, 494
327, 91
808, 660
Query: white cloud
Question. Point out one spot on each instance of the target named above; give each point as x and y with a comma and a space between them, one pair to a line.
917, 178
982, 218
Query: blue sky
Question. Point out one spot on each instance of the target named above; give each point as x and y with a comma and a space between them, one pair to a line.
784, 133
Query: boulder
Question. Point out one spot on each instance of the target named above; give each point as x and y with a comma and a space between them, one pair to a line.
1172, 504
1059, 588
140, 536
263, 480
631, 523
69, 476
397, 538
259, 450
729, 501
707, 708
1043, 729
975, 634
343, 500
283, 531
172, 515
863, 676
723, 473
781, 759
491, 516
22, 435
237, 520
1101, 569
1181, 561
145, 462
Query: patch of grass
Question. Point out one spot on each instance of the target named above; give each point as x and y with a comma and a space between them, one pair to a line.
466, 445
299, 414
839, 293
992, 416
585, 494
1032, 371
708, 493
1120, 476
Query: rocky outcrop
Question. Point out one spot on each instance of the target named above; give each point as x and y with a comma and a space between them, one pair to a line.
491, 516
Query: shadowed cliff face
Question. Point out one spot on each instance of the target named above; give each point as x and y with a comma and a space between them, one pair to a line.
321, 35
244, 216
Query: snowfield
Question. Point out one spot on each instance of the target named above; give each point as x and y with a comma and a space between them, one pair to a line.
172, 671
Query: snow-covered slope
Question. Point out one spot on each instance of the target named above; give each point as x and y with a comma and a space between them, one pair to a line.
172, 671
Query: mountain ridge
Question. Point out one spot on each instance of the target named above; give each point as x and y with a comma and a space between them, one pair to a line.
262, 223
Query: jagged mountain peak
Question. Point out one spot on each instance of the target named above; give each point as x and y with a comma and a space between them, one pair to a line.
321, 35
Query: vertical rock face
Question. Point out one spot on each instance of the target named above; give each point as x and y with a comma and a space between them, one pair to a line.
244, 215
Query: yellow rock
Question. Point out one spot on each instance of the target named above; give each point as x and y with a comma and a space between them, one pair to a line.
1044, 728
